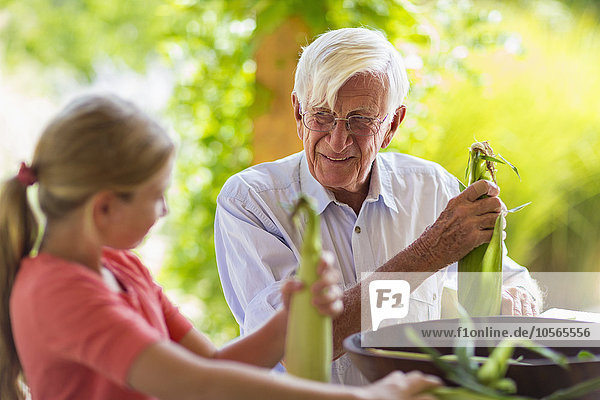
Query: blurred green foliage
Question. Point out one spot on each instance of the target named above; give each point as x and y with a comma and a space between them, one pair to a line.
74, 34
534, 97
489, 72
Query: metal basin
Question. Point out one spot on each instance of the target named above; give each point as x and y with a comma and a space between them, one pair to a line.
542, 377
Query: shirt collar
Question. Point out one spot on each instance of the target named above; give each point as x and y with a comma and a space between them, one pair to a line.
380, 185
313, 188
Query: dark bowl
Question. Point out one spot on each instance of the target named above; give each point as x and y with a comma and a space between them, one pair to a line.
539, 378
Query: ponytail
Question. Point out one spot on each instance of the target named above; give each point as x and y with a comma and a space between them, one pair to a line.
18, 233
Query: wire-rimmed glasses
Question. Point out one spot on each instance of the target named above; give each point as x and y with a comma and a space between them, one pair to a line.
324, 121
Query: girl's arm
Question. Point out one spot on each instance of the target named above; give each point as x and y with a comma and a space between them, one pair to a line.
265, 346
168, 371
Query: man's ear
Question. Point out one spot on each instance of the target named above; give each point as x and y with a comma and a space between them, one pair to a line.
396, 121
297, 114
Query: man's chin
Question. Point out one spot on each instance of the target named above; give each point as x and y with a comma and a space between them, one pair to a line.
334, 184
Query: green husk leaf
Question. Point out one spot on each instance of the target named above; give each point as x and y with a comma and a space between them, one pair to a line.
514, 210
396, 353
479, 277
490, 158
489, 381
454, 373
546, 352
510, 165
419, 356
585, 355
464, 347
576, 391
494, 369
452, 358
458, 393
492, 259
554, 356
505, 385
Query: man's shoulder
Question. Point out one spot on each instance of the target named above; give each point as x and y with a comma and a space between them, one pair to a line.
400, 163
277, 175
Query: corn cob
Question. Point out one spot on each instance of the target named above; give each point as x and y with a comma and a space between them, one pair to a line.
309, 341
480, 271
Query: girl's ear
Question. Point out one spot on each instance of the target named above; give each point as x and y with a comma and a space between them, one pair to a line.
103, 208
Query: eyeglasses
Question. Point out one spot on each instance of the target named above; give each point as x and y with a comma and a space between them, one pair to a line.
323, 121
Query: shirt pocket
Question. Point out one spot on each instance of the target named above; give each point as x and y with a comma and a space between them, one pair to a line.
424, 302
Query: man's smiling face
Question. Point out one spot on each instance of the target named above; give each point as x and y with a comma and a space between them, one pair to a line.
339, 160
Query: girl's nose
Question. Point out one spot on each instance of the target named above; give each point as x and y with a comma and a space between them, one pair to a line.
164, 210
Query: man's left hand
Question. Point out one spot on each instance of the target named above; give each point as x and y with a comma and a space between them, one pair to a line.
518, 301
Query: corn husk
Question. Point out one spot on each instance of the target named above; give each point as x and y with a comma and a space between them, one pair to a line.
480, 271
486, 378
309, 340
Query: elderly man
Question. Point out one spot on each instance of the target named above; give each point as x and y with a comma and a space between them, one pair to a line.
384, 212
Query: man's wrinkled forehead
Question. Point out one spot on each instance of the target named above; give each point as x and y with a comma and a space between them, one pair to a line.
368, 87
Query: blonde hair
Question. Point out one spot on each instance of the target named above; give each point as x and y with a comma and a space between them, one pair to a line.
335, 56
95, 143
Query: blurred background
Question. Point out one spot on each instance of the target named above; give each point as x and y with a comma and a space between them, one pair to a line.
524, 75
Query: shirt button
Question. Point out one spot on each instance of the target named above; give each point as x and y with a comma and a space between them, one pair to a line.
434, 297
357, 229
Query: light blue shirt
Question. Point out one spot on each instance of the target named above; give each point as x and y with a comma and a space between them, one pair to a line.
258, 246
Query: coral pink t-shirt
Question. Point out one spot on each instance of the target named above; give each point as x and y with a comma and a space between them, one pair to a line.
75, 337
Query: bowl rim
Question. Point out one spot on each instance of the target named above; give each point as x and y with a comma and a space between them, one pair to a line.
352, 342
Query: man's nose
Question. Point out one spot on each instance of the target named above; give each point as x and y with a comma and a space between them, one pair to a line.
340, 137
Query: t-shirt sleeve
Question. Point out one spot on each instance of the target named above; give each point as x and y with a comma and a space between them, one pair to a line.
90, 325
177, 324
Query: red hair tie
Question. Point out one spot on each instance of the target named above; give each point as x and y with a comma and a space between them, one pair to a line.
26, 175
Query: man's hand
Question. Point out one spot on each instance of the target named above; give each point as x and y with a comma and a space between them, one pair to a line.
518, 301
467, 222
326, 292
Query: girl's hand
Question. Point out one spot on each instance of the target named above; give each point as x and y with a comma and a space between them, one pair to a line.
327, 294
397, 385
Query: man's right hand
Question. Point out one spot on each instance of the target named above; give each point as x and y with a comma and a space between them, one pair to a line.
467, 222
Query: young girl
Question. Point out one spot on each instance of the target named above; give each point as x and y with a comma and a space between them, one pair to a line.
83, 319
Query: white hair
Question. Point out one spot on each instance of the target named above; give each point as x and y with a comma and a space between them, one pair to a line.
335, 56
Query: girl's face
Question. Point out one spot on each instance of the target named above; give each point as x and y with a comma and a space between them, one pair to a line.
133, 217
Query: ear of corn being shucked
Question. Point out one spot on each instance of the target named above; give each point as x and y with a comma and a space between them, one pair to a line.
309, 341
480, 271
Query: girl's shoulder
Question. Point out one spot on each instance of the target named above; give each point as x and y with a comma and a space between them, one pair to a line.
45, 268
125, 262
